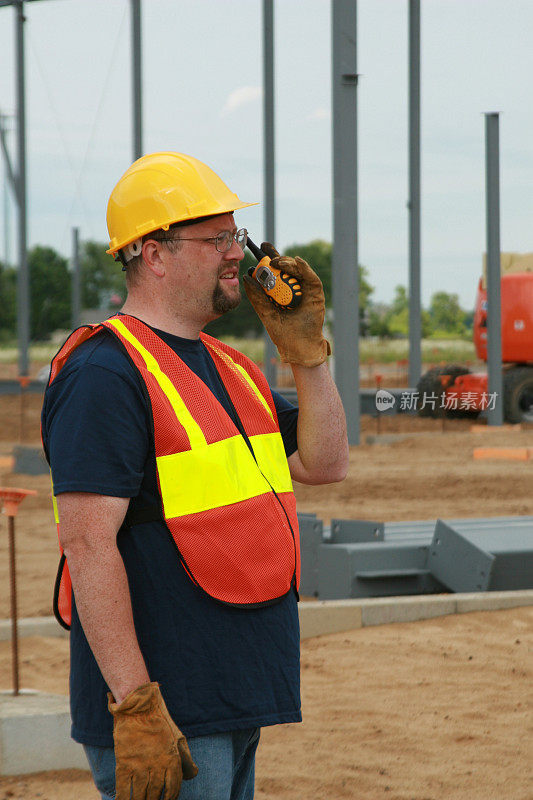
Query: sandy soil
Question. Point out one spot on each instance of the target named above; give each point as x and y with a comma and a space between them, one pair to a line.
427, 475
434, 710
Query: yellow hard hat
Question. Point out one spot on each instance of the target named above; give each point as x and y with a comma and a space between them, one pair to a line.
163, 188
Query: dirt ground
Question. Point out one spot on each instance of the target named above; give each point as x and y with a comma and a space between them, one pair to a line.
433, 710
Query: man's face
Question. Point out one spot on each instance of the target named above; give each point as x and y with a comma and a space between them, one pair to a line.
206, 280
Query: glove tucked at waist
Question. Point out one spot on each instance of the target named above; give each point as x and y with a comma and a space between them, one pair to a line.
297, 333
150, 750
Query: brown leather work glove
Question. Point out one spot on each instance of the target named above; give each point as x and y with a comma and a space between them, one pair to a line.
297, 333
151, 753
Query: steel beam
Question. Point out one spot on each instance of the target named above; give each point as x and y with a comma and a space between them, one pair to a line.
19, 180
269, 161
10, 182
10, 172
7, 237
4, 3
75, 278
345, 278
136, 82
494, 314
23, 294
415, 305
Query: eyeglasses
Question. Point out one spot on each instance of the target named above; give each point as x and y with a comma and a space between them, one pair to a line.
223, 241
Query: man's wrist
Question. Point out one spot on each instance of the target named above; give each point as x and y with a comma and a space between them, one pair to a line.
123, 689
306, 355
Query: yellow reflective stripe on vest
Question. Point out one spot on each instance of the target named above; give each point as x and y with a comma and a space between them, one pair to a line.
54, 501
222, 473
184, 416
242, 372
270, 454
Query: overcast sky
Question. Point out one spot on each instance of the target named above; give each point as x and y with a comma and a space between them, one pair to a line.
202, 72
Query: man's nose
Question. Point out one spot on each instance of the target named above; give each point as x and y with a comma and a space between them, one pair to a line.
235, 253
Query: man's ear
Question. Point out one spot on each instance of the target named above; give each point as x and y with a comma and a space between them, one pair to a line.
151, 253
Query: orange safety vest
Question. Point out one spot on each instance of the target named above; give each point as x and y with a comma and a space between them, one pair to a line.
231, 513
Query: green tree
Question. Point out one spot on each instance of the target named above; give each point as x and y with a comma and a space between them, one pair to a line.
318, 255
49, 292
8, 306
397, 317
393, 321
446, 314
102, 281
365, 290
378, 321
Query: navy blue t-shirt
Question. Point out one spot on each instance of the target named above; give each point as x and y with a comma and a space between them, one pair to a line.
220, 668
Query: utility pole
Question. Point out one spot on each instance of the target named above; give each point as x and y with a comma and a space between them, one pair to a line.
415, 306
269, 162
7, 183
345, 235
494, 308
136, 74
23, 284
18, 181
75, 278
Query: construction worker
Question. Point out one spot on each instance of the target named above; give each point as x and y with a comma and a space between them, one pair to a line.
172, 461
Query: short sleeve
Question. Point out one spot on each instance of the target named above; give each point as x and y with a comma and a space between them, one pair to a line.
96, 432
288, 422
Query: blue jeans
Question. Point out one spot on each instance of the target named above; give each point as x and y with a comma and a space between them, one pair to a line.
226, 767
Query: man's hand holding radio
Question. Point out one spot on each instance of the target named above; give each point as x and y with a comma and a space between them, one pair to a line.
297, 333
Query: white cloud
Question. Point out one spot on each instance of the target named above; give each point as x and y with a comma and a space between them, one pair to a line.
319, 114
242, 96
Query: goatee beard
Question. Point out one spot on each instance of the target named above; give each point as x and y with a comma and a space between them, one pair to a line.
222, 303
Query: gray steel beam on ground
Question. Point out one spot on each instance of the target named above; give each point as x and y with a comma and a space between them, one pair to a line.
345, 277
494, 323
415, 309
23, 298
424, 529
136, 63
75, 277
269, 161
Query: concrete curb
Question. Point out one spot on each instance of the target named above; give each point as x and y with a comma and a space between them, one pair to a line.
33, 626
318, 617
35, 734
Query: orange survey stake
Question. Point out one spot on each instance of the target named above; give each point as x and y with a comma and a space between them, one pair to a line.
281, 289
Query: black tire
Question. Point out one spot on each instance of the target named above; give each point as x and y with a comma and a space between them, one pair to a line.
518, 394
430, 383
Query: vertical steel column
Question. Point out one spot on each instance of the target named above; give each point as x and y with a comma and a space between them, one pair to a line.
494, 322
415, 310
23, 294
14, 614
136, 52
8, 179
7, 232
269, 164
75, 277
345, 277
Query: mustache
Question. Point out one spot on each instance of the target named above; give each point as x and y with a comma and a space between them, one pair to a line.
228, 265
